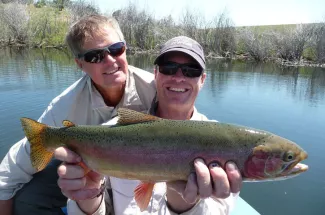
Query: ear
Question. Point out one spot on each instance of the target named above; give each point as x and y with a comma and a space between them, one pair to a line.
155, 72
78, 62
202, 79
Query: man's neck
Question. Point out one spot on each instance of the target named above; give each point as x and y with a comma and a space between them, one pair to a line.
112, 96
175, 114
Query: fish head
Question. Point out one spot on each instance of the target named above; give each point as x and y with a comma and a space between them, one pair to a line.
275, 158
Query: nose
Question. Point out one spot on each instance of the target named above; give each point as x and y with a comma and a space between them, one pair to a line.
179, 73
108, 59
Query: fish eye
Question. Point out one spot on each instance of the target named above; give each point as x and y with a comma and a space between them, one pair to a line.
289, 156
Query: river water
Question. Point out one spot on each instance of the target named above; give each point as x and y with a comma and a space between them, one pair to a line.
289, 102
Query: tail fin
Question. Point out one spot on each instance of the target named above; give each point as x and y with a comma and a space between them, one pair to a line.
34, 130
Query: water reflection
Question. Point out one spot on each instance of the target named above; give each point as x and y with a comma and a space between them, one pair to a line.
39, 69
287, 101
303, 83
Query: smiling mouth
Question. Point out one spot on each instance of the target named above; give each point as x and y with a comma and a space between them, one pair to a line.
178, 90
111, 72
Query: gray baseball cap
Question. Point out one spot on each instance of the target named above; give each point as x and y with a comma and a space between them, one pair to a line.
183, 44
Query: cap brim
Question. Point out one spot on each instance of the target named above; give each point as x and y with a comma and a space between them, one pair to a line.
195, 56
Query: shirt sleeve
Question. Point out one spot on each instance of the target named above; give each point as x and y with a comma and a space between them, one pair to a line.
16, 168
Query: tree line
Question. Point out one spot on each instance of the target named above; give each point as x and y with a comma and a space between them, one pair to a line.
26, 23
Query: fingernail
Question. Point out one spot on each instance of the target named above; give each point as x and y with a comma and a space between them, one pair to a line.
212, 165
199, 161
231, 166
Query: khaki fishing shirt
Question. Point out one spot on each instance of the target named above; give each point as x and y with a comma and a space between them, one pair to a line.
82, 104
124, 202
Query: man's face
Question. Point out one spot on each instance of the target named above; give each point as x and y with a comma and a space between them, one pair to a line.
111, 72
178, 91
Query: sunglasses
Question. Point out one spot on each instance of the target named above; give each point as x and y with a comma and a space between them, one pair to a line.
97, 55
189, 70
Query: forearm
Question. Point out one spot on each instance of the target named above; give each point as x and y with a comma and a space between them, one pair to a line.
90, 206
6, 207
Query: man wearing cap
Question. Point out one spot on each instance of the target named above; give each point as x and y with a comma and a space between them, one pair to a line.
179, 76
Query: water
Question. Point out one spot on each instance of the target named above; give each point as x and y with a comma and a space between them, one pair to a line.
288, 102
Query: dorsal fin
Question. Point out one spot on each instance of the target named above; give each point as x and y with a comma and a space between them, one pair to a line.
127, 116
68, 123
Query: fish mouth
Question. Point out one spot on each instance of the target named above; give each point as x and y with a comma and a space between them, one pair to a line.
298, 168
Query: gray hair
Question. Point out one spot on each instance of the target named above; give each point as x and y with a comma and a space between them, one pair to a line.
86, 28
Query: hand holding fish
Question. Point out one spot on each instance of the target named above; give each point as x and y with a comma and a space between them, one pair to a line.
77, 182
209, 181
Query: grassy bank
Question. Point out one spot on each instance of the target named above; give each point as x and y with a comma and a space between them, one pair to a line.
45, 25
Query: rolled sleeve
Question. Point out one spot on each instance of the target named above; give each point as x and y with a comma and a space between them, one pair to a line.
15, 169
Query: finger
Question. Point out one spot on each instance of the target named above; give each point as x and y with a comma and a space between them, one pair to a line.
221, 186
67, 171
203, 178
95, 176
234, 176
177, 186
66, 155
190, 193
71, 184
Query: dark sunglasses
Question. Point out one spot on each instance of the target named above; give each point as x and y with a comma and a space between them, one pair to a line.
97, 55
189, 70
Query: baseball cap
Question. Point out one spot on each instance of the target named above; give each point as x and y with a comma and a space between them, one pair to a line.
183, 44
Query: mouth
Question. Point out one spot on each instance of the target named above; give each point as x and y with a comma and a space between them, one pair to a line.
111, 72
298, 168
178, 90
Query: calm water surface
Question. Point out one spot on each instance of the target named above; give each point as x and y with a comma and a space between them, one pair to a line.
287, 101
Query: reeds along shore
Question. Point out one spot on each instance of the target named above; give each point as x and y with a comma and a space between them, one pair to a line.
44, 24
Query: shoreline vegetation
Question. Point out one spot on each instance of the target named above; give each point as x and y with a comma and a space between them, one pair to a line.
26, 24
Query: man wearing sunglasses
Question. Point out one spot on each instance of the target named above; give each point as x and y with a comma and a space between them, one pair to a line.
109, 83
179, 76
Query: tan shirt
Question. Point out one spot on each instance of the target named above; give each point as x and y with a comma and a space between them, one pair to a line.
81, 103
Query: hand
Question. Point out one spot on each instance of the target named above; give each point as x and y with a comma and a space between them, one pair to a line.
210, 181
6, 207
77, 185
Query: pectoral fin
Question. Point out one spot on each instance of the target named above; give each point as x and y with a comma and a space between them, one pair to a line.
142, 195
84, 166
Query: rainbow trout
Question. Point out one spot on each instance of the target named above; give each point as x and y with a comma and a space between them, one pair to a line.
151, 149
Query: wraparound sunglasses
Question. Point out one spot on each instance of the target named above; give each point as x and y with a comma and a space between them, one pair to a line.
189, 70
97, 55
